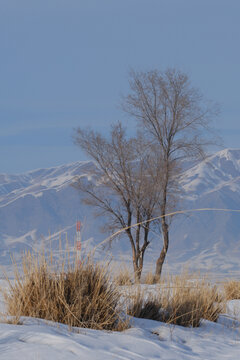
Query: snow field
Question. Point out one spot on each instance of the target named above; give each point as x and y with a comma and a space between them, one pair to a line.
145, 340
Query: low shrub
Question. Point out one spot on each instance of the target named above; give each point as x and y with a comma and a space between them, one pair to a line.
181, 301
191, 300
143, 307
81, 296
232, 289
149, 278
123, 277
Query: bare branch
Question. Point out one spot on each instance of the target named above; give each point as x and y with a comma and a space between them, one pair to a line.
175, 119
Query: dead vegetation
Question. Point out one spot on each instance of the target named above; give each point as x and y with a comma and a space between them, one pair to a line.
180, 301
149, 278
123, 277
83, 295
232, 289
79, 295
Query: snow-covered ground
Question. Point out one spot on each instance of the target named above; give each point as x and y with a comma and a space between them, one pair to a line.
146, 339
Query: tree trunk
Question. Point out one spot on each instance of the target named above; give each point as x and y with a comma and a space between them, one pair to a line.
137, 267
137, 274
160, 260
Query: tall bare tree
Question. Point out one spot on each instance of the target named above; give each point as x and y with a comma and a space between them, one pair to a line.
173, 115
127, 185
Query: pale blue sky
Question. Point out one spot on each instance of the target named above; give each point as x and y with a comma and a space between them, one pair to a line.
64, 63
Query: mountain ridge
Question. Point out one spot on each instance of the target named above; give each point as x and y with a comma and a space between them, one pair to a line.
42, 202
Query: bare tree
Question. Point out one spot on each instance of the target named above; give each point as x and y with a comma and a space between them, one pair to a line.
173, 115
125, 185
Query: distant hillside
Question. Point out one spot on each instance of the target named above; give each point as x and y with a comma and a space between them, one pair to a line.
41, 206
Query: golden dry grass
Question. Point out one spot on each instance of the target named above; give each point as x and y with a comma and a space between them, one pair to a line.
232, 289
123, 277
149, 278
180, 301
81, 295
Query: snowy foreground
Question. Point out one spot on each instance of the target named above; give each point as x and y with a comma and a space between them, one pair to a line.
146, 339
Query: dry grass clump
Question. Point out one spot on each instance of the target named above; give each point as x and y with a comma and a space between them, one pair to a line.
232, 289
81, 296
149, 278
191, 300
141, 306
149, 309
123, 277
181, 302
189, 305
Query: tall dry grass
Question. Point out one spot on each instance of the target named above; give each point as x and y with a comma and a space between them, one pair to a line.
123, 276
149, 278
232, 289
79, 295
181, 300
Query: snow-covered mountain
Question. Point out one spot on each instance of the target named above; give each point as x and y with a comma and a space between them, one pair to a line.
40, 207
210, 240
219, 171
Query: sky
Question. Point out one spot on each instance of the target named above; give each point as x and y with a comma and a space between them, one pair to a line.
65, 63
